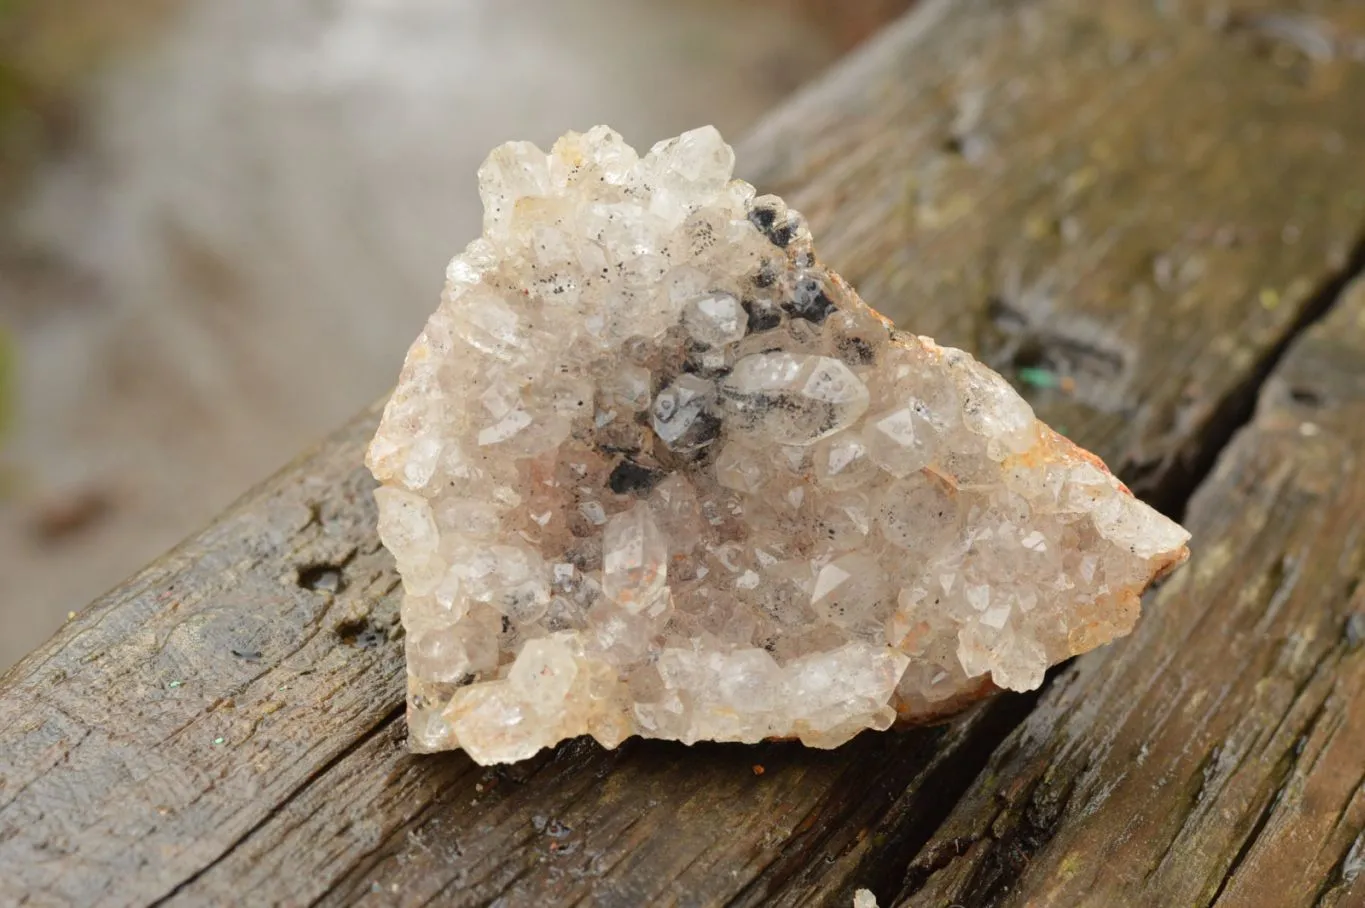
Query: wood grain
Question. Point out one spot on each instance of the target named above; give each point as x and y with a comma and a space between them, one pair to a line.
1216, 756
1144, 207
1145, 202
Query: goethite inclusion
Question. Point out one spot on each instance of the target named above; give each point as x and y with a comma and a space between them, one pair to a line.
651, 469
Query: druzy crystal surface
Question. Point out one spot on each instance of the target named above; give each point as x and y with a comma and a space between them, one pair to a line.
652, 469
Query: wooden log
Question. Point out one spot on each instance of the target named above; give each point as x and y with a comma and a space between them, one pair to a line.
1218, 754
1125, 193
1136, 209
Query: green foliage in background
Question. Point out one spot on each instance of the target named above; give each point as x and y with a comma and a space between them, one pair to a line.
48, 51
20, 124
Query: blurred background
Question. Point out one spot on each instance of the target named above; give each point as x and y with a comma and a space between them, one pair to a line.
223, 221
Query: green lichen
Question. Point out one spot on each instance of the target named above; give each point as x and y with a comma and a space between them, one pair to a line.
1039, 378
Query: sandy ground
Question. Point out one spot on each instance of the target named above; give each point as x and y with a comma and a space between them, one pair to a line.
254, 224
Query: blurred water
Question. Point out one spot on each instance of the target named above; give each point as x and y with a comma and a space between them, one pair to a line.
256, 223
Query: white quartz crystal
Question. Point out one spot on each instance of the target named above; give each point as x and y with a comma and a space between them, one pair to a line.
651, 469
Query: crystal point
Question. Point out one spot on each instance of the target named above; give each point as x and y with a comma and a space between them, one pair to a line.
652, 469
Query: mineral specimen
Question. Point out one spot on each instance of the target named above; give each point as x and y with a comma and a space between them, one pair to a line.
651, 469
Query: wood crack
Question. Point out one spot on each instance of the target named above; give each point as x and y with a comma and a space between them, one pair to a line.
1235, 412
1153, 259
1283, 769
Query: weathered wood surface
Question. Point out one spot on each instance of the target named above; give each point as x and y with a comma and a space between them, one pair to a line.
1146, 201
1149, 204
1216, 756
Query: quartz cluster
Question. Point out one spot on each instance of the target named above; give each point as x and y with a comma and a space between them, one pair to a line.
651, 469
